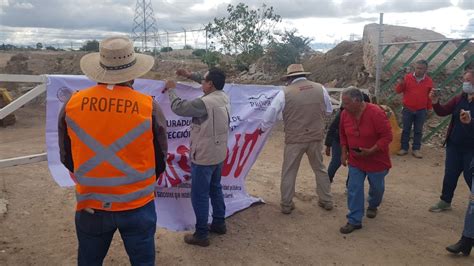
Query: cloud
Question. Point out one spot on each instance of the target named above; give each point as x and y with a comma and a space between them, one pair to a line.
359, 19
108, 15
67, 19
118, 15
412, 5
23, 6
469, 30
67, 14
466, 4
292, 9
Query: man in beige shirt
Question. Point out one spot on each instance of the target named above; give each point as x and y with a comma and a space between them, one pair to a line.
306, 105
208, 149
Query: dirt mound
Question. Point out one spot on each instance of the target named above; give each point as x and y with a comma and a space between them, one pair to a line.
166, 68
18, 64
342, 63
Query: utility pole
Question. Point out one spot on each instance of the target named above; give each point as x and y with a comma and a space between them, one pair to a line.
379, 58
184, 37
144, 24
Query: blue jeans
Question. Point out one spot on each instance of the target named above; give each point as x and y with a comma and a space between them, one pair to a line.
469, 220
456, 162
355, 192
137, 228
205, 184
335, 160
415, 119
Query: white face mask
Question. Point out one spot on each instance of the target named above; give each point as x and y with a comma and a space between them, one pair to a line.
467, 87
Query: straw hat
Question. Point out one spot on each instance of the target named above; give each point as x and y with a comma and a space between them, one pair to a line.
116, 62
295, 70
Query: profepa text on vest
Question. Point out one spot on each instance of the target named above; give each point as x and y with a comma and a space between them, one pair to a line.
115, 105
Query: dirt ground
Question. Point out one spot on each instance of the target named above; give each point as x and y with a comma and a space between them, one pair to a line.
38, 228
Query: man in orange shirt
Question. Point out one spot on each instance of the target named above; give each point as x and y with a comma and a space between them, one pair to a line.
415, 87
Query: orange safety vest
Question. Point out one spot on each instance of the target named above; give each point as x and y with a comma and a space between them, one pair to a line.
112, 147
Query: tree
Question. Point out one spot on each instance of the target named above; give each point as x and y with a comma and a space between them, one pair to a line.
244, 29
7, 47
39, 46
91, 46
289, 49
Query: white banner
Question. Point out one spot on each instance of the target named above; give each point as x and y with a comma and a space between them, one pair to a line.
173, 204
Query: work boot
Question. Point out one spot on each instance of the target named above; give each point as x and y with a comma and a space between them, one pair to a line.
287, 209
417, 154
218, 229
440, 206
464, 245
349, 228
327, 205
371, 212
402, 152
191, 239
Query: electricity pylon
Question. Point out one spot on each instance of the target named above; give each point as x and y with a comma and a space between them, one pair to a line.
144, 25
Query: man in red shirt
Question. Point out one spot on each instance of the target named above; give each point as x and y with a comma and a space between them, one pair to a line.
415, 87
365, 135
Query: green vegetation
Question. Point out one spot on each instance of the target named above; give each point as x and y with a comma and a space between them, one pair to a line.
247, 35
289, 49
90, 46
166, 49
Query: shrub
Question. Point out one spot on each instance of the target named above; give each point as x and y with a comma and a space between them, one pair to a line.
245, 59
199, 52
166, 49
212, 58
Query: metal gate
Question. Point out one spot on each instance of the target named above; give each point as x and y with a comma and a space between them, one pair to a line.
384, 90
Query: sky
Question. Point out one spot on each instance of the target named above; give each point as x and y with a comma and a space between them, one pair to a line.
66, 23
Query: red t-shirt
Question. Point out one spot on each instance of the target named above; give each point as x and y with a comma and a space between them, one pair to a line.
415, 94
372, 128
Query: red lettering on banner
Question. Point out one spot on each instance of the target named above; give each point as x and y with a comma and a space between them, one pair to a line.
249, 139
183, 162
173, 178
170, 175
228, 166
240, 155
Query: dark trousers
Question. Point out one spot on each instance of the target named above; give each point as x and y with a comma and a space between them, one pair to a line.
205, 185
137, 228
335, 160
457, 162
416, 120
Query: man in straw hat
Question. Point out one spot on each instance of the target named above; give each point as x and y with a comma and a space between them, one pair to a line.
208, 149
306, 105
113, 140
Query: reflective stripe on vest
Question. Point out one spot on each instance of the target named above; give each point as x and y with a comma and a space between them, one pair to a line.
108, 154
116, 198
